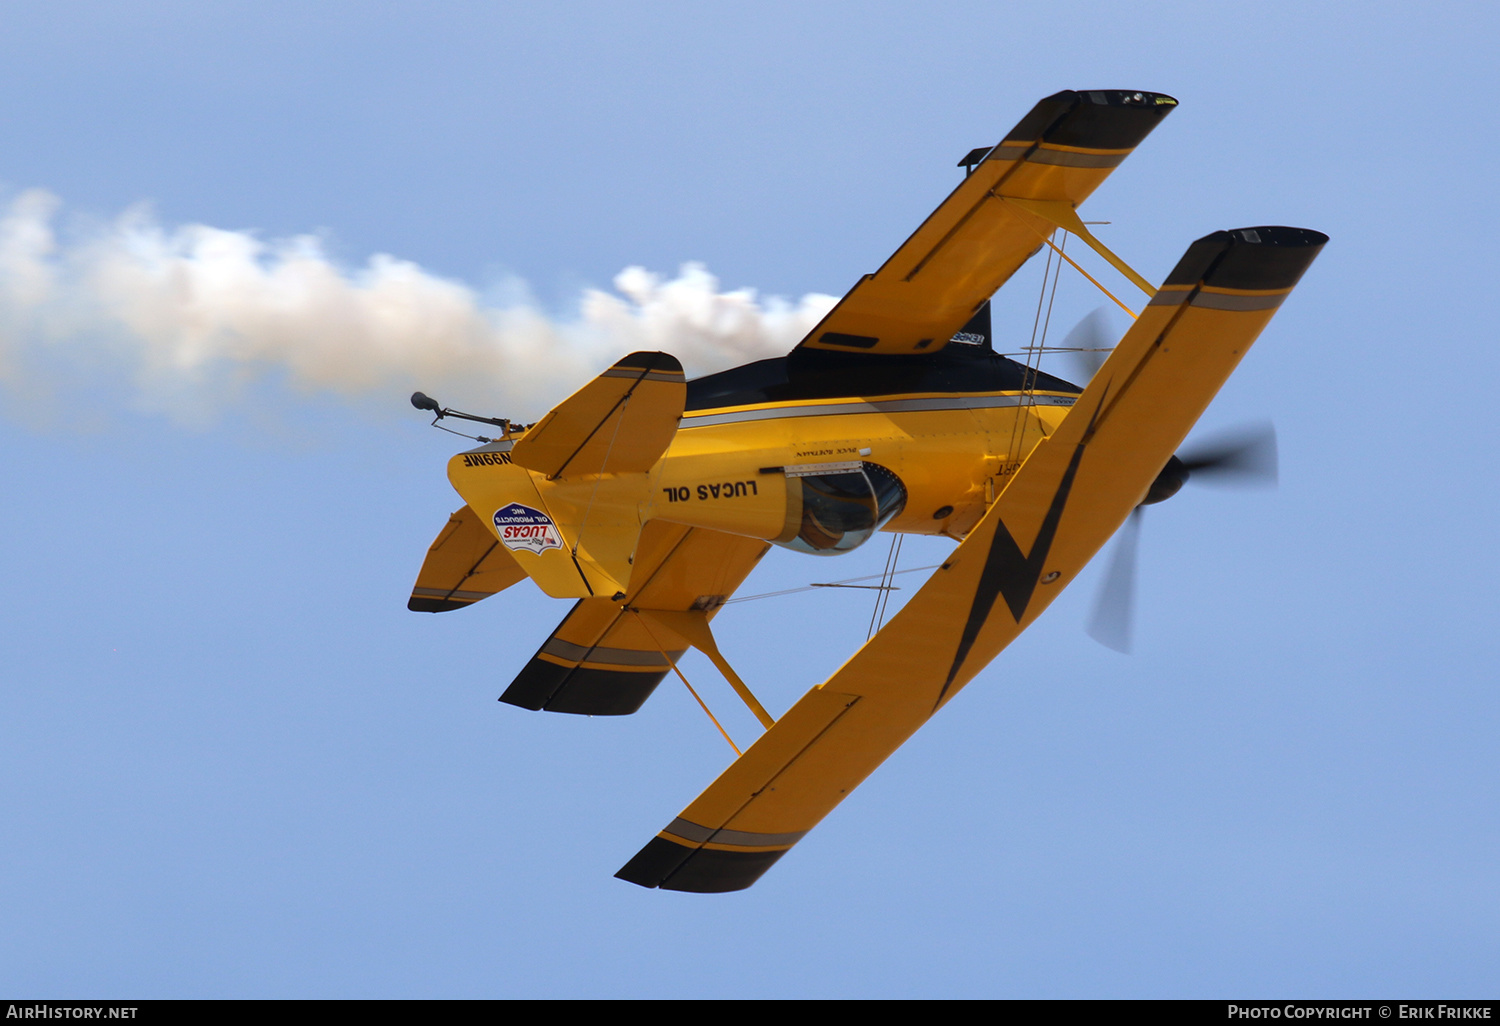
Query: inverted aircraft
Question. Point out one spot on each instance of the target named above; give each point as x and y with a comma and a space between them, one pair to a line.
648, 498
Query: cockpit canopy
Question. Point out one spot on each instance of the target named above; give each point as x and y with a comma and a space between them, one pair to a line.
839, 506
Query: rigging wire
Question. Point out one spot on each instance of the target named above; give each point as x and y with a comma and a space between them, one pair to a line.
1013, 447
831, 584
1041, 346
883, 599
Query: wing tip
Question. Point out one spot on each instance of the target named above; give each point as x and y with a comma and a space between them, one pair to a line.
423, 604
1264, 257
1106, 119
650, 866
670, 866
581, 690
650, 361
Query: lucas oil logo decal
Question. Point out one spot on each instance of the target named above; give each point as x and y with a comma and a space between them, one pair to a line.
521, 527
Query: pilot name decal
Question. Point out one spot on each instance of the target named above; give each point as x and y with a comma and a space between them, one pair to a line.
521, 527
847, 450
486, 459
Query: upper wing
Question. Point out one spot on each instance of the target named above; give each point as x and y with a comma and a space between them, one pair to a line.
465, 564
602, 660
622, 421
974, 241
1071, 494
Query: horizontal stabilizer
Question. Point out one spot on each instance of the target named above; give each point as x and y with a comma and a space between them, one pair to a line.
603, 659
465, 564
621, 422
599, 662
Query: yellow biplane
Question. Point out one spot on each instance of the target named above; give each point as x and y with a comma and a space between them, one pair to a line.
649, 498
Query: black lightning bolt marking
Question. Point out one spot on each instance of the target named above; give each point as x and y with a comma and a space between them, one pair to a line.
1010, 572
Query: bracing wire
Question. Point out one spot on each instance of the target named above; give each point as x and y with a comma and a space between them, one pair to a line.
847, 582
1049, 276
883, 596
1041, 347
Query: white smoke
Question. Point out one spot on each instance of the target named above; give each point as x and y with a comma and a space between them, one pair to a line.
192, 314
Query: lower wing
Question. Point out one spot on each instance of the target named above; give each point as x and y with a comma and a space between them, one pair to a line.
603, 660
1074, 491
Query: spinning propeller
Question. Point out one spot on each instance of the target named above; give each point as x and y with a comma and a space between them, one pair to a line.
1089, 343
1244, 457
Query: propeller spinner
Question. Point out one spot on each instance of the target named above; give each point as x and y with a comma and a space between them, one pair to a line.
1244, 458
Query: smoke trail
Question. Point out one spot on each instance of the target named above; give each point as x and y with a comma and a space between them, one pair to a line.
193, 314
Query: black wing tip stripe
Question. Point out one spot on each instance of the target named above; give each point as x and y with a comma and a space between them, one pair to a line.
673, 867
712, 871
591, 692
535, 684
1043, 116
1099, 119
1265, 257
654, 863
655, 362
582, 690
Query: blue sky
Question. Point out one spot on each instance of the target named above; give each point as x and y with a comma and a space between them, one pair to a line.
233, 764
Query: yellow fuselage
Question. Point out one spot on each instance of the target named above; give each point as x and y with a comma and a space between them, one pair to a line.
952, 452
738, 469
